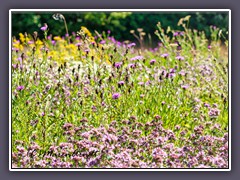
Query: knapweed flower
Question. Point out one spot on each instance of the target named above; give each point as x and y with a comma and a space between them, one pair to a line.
121, 82
14, 66
131, 65
102, 42
20, 88
214, 112
152, 61
180, 58
172, 70
182, 72
67, 126
131, 45
137, 58
165, 55
185, 86
44, 28
178, 33
116, 95
118, 64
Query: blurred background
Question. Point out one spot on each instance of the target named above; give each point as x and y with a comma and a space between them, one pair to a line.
119, 23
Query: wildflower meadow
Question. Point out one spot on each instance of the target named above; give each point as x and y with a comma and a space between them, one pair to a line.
88, 100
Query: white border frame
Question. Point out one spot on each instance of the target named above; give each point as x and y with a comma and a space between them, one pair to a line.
119, 10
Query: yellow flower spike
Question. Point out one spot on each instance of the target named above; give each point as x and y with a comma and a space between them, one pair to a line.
22, 38
86, 31
20, 47
107, 60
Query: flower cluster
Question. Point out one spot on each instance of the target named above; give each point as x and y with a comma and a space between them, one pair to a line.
119, 146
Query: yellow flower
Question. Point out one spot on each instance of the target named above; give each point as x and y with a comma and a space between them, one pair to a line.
71, 47
86, 31
57, 38
39, 42
107, 60
16, 44
27, 39
22, 38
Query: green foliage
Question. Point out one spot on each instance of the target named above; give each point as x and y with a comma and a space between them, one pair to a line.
119, 23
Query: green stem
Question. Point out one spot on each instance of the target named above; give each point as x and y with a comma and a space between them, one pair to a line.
66, 29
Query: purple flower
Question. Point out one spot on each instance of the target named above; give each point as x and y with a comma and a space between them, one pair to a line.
44, 28
175, 34
165, 55
136, 58
131, 44
108, 31
115, 95
20, 88
182, 72
117, 64
214, 112
178, 33
172, 70
121, 82
102, 42
53, 42
181, 33
14, 66
206, 105
49, 37
78, 44
141, 83
180, 58
185, 86
15, 49
157, 117
152, 61
131, 65
209, 46
30, 42
67, 126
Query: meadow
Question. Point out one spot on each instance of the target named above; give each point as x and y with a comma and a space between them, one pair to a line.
86, 100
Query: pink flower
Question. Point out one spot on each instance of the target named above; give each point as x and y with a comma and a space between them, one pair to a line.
44, 28
20, 88
116, 95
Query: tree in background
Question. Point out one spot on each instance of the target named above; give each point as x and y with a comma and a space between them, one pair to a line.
119, 23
